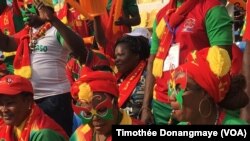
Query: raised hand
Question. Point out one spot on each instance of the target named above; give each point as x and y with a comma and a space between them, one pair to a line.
45, 12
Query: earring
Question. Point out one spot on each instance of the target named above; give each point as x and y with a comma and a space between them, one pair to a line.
200, 109
170, 121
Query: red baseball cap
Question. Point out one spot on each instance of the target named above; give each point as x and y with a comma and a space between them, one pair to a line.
14, 84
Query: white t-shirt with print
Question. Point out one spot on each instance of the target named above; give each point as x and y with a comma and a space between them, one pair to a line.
48, 62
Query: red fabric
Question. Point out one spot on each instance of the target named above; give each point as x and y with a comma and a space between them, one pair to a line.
196, 39
95, 58
36, 121
6, 21
200, 72
16, 8
77, 24
3, 67
23, 53
247, 30
14, 84
128, 85
173, 17
99, 81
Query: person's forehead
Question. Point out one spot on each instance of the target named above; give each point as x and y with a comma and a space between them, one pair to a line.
4, 97
97, 98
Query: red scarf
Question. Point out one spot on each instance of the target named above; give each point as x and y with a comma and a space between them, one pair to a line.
36, 121
172, 18
7, 21
128, 85
21, 62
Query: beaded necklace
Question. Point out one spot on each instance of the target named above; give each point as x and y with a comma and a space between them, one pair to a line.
35, 36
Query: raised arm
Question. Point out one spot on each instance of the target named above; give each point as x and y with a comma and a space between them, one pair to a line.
99, 32
131, 15
72, 41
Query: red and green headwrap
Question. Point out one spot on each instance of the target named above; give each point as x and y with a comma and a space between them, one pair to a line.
210, 68
94, 81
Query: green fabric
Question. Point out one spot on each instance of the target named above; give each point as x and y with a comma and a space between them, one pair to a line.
59, 38
232, 120
219, 26
46, 135
235, 113
73, 137
19, 24
161, 112
129, 7
178, 3
155, 40
219, 30
9, 64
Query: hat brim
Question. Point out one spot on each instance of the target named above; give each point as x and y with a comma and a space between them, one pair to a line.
9, 91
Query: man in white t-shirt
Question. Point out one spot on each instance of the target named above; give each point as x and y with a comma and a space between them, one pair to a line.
50, 43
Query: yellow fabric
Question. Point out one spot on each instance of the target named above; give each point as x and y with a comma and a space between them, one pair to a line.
64, 20
25, 72
126, 119
219, 61
85, 129
85, 92
194, 55
160, 28
151, 18
144, 17
7, 54
158, 67
18, 130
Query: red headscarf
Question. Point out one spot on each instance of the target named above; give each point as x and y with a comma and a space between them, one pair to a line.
210, 68
94, 81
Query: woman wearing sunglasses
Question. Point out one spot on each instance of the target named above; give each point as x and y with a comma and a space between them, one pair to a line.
96, 103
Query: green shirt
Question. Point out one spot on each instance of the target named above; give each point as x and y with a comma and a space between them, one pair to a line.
218, 26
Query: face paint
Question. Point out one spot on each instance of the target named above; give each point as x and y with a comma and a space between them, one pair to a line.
101, 107
27, 9
177, 87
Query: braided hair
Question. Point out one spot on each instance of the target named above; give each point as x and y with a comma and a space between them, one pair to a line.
136, 44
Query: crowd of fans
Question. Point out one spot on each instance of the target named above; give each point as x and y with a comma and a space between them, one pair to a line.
70, 69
